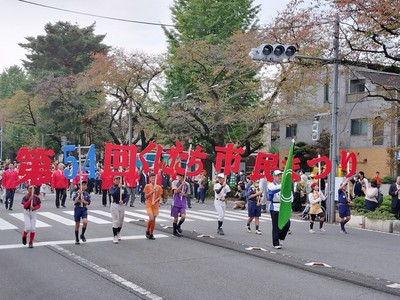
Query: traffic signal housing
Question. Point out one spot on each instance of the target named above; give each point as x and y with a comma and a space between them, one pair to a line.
273, 52
315, 130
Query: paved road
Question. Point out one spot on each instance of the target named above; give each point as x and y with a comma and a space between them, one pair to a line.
190, 267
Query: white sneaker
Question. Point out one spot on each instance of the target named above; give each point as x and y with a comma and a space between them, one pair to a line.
119, 236
248, 229
258, 232
322, 230
311, 231
278, 247
115, 241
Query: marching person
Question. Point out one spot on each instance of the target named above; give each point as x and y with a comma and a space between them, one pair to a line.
274, 189
31, 203
60, 183
153, 193
81, 200
106, 183
315, 198
131, 183
221, 189
9, 182
344, 206
180, 189
119, 196
254, 206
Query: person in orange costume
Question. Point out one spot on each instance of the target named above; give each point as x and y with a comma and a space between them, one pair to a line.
153, 193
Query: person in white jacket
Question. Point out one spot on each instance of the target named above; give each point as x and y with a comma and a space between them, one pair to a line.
315, 197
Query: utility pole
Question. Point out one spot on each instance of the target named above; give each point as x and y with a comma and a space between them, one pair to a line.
334, 137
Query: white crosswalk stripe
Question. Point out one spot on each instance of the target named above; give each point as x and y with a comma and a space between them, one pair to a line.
104, 217
57, 218
4, 225
39, 224
91, 218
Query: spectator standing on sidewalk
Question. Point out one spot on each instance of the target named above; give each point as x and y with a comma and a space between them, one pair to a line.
394, 191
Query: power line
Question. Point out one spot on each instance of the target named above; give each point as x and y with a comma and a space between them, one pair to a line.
97, 16
146, 22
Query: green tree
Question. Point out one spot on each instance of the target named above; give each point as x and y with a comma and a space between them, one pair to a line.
13, 79
210, 86
65, 49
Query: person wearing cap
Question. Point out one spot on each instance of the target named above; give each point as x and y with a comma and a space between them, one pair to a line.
254, 206
221, 189
81, 200
315, 198
31, 203
119, 196
274, 189
181, 189
60, 183
153, 193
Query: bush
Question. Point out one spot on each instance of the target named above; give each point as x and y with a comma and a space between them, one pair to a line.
388, 179
383, 212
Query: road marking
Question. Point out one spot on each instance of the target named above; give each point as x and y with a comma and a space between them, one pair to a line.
57, 218
69, 242
4, 225
39, 224
107, 274
142, 217
91, 218
107, 214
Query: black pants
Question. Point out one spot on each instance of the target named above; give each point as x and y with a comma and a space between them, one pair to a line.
61, 195
104, 197
278, 234
10, 197
296, 205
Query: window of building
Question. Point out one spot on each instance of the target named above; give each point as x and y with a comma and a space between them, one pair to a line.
359, 127
377, 131
357, 86
291, 130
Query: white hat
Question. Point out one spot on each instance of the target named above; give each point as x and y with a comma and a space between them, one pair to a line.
277, 172
221, 175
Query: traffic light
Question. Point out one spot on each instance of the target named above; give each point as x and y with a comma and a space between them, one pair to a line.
315, 130
273, 52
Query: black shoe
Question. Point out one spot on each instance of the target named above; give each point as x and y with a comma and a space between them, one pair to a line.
30, 245
6, 205
1, 200
77, 242
244, 207
10, 208
58, 207
179, 229
64, 206
176, 233
131, 205
151, 237
148, 234
24, 240
83, 238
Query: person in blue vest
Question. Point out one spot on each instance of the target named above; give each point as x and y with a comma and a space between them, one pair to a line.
81, 200
274, 189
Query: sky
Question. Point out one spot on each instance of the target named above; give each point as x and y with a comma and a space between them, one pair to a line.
19, 20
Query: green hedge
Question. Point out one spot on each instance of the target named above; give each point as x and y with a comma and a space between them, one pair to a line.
383, 212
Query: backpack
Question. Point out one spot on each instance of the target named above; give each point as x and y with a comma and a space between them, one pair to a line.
379, 198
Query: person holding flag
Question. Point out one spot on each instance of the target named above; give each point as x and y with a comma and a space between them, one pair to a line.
119, 195
153, 193
81, 200
280, 196
31, 203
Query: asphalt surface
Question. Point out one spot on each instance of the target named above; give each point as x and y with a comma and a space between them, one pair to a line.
362, 264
